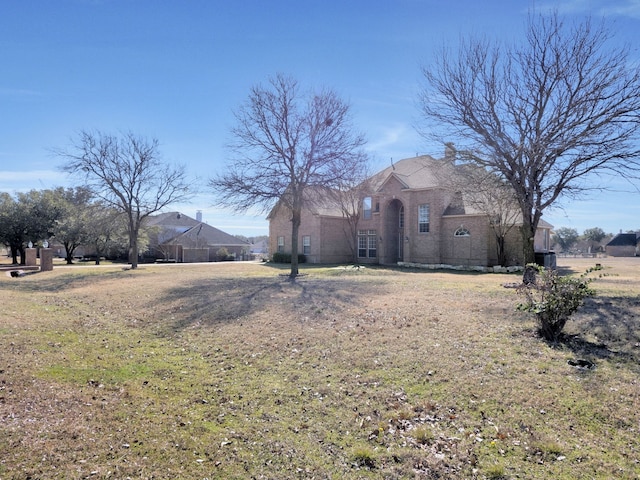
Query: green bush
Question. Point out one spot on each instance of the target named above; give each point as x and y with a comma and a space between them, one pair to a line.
553, 299
279, 257
223, 255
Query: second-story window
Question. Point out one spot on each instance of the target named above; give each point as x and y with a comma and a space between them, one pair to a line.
366, 208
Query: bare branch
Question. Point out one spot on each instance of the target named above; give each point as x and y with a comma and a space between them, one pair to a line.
126, 172
544, 115
284, 143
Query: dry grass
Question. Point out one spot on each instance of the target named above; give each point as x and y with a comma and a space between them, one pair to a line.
231, 371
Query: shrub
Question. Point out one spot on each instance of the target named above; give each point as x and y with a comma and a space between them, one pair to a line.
424, 435
553, 299
224, 255
495, 472
364, 457
279, 257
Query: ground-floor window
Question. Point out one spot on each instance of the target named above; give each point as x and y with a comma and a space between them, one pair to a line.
367, 244
306, 244
280, 244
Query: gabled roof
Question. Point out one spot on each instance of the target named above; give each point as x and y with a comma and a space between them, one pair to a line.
320, 201
175, 225
624, 240
323, 202
414, 173
211, 236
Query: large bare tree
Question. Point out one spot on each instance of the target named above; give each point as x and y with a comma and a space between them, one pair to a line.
485, 192
544, 114
285, 143
127, 173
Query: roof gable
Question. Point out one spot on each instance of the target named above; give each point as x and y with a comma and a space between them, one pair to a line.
175, 225
209, 235
415, 173
624, 240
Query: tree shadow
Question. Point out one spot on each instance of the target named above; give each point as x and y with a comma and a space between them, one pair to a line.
217, 301
60, 283
606, 328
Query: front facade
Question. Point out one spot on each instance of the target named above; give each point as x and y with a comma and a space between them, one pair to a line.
406, 215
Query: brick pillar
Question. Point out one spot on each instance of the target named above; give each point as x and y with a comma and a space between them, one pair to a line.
46, 259
30, 255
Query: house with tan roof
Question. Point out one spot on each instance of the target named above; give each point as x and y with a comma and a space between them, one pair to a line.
176, 237
407, 212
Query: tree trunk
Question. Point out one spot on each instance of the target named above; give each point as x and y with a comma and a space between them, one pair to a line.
528, 234
14, 254
98, 252
69, 250
133, 248
500, 251
295, 227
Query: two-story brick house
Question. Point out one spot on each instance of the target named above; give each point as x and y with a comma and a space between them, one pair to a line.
408, 213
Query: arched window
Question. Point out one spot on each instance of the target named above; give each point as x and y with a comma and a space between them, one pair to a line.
462, 232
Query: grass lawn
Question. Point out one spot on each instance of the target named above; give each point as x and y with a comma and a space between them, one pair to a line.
231, 371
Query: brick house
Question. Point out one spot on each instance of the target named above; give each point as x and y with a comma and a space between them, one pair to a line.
177, 237
407, 214
623, 245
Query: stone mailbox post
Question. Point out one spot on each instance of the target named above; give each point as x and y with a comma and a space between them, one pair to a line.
46, 259
30, 255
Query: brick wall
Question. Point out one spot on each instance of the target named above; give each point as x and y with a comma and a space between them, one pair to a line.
475, 250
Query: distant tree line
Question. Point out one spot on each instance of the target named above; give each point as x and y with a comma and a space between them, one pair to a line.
70, 217
567, 240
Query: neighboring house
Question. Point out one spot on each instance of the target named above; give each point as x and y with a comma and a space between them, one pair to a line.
260, 247
623, 245
407, 214
176, 237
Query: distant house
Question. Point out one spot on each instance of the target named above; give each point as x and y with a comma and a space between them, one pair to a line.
407, 214
623, 245
177, 237
261, 247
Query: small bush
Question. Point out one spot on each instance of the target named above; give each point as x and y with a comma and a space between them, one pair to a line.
364, 457
224, 255
495, 472
279, 257
553, 299
424, 435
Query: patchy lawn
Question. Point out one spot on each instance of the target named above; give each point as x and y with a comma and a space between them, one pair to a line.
231, 371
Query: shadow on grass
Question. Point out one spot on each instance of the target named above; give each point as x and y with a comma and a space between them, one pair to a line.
60, 283
610, 329
223, 299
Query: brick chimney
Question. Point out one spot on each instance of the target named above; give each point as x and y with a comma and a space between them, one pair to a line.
450, 152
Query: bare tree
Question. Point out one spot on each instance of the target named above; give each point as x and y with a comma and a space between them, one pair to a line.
127, 173
286, 142
485, 192
106, 230
348, 198
543, 115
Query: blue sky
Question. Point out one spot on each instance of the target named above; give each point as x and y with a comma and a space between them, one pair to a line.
176, 70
